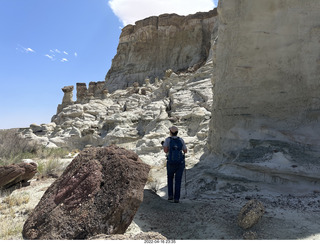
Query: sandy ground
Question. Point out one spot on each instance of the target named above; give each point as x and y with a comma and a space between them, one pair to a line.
210, 211
204, 214
287, 217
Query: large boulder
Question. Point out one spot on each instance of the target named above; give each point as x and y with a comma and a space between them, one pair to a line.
98, 193
17, 173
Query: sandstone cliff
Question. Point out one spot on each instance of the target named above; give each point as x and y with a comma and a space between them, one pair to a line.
263, 110
155, 44
266, 104
138, 117
262, 104
267, 81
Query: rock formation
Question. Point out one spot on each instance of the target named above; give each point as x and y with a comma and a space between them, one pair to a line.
14, 174
67, 98
266, 83
156, 44
81, 92
95, 91
98, 193
138, 118
263, 67
266, 107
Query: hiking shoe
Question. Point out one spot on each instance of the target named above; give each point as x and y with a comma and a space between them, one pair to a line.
176, 201
170, 198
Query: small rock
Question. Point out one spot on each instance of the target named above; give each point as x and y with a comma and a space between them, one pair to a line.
250, 214
250, 235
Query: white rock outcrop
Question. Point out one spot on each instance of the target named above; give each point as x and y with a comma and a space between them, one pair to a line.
137, 118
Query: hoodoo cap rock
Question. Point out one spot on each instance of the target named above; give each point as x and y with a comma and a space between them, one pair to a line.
173, 129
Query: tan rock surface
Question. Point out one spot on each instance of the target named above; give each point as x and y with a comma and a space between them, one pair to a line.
155, 44
267, 81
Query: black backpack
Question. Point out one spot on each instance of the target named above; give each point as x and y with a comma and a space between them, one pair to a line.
175, 155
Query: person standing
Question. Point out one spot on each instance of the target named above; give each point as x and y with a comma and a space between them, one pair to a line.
175, 148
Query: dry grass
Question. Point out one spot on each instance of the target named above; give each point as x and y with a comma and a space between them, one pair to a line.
12, 201
51, 167
11, 208
16, 206
14, 148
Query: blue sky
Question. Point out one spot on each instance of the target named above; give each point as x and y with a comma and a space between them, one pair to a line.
48, 44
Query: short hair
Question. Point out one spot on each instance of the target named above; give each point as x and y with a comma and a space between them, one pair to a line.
174, 134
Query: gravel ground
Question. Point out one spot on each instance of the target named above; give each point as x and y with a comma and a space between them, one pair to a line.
287, 217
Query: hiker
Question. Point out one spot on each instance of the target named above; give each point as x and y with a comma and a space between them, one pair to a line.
173, 146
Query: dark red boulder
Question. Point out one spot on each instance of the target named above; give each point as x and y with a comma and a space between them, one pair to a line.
13, 174
98, 193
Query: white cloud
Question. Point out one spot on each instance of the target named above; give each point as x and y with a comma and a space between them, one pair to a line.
52, 54
129, 11
50, 57
24, 49
29, 50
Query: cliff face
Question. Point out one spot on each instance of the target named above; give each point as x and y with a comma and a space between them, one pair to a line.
262, 103
155, 44
266, 85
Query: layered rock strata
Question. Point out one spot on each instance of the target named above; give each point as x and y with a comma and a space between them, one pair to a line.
156, 44
137, 118
266, 106
95, 90
266, 83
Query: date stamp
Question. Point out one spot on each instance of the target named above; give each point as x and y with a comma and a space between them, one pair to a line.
160, 241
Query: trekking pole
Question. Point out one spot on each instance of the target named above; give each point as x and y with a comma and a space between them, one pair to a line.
185, 179
185, 175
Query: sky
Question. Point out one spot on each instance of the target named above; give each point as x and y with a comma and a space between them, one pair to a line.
48, 44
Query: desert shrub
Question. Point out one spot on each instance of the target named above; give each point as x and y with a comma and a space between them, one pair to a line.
52, 167
13, 147
45, 152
